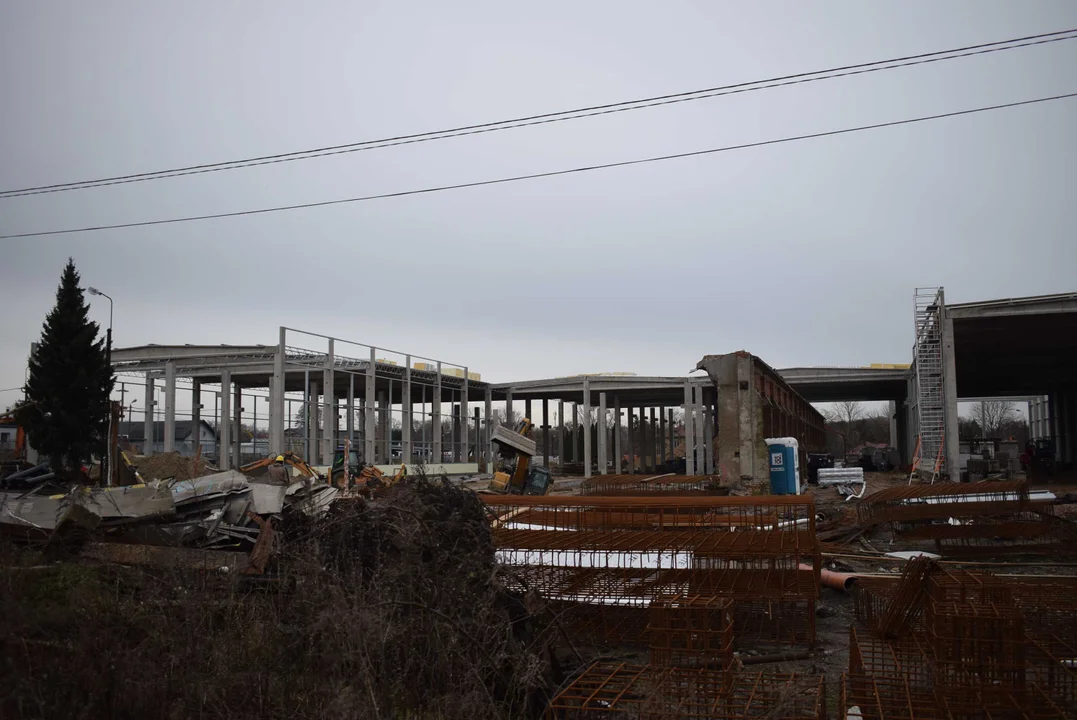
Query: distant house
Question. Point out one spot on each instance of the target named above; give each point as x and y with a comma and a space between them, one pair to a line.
132, 436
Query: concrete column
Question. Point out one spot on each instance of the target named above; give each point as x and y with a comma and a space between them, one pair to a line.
349, 422
527, 410
901, 419
662, 459
384, 427
586, 428
170, 406
892, 413
708, 437
478, 436
509, 420
700, 424
278, 406
369, 450
633, 434
147, 429
561, 432
655, 439
329, 407
464, 412
435, 419
313, 394
489, 400
272, 411
672, 438
1036, 417
1064, 444
616, 435
196, 415
406, 407
603, 434
237, 441
949, 394
546, 427
454, 412
224, 428
689, 432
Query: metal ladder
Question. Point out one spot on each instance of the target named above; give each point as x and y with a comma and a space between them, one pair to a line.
931, 407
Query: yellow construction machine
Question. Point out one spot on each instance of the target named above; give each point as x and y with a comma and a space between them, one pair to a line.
259, 467
513, 471
372, 482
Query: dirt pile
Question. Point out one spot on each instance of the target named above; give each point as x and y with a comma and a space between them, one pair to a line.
163, 466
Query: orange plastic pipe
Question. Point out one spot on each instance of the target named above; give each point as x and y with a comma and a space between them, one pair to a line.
834, 580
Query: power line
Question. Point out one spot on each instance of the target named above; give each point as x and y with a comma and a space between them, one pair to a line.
534, 176
561, 116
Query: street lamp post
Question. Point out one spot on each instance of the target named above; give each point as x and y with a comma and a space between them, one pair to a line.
106, 471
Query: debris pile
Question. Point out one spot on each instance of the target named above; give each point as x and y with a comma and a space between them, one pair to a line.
222, 510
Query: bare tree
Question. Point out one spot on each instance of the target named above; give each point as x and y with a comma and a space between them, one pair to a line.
992, 415
846, 412
843, 418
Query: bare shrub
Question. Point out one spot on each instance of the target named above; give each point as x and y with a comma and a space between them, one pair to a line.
381, 610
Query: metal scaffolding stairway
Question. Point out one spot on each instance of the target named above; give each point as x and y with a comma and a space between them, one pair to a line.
930, 400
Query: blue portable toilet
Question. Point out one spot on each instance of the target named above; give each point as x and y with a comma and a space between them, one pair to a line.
784, 466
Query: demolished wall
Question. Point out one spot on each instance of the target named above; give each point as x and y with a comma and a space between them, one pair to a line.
755, 403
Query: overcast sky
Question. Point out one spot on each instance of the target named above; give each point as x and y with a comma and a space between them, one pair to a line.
804, 253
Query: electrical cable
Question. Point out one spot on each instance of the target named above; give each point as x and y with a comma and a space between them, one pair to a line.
533, 176
625, 106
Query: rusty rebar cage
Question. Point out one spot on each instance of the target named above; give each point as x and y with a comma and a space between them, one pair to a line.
613, 514
976, 645
602, 624
971, 655
637, 485
1032, 533
941, 501
607, 690
694, 631
628, 551
773, 622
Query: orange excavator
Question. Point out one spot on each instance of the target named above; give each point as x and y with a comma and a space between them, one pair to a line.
260, 467
12, 445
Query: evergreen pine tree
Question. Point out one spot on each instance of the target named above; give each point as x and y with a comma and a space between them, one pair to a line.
66, 416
